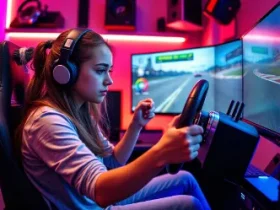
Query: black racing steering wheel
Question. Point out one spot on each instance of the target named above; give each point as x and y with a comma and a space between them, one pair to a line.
192, 107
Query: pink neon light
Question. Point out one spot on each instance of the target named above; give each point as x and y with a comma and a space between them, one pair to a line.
112, 37
262, 38
9, 13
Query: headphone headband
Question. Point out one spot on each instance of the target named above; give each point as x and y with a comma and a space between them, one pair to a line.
70, 42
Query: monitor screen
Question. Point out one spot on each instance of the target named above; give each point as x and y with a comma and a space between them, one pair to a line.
261, 47
228, 74
168, 77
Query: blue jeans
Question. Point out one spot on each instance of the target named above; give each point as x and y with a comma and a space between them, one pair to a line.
178, 192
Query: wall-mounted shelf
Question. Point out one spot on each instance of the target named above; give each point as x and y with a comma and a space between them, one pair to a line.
39, 30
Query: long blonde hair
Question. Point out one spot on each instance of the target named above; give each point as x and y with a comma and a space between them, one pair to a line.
43, 91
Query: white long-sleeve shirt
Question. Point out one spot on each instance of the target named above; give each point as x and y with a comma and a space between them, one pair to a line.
58, 163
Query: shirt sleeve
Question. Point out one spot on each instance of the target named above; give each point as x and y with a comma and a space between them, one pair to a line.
110, 161
54, 139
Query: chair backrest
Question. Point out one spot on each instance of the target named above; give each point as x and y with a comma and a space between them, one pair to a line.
17, 190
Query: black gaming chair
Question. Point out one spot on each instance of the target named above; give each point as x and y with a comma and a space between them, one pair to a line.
17, 191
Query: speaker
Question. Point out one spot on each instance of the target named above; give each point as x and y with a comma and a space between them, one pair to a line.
161, 26
83, 13
184, 15
114, 114
224, 11
120, 15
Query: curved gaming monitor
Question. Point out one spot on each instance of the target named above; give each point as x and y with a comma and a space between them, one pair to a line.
261, 46
168, 77
228, 74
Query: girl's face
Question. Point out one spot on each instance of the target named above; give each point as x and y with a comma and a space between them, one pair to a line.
94, 77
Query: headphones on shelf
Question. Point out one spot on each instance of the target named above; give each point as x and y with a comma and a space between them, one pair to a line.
29, 14
64, 71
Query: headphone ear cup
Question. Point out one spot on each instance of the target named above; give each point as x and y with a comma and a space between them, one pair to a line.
73, 70
61, 74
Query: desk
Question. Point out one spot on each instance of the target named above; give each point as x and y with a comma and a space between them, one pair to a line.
139, 146
142, 146
260, 193
139, 149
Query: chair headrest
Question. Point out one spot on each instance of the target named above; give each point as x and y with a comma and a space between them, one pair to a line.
13, 75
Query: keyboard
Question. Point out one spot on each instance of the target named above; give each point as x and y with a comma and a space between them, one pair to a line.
253, 171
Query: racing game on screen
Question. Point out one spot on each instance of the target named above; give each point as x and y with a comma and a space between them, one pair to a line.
228, 74
262, 72
168, 77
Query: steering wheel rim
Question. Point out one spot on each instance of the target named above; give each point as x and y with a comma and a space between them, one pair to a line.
192, 107
193, 104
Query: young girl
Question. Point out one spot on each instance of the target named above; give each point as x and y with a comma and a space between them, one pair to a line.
66, 154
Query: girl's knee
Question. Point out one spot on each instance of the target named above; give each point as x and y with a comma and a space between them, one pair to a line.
186, 177
185, 174
196, 205
189, 202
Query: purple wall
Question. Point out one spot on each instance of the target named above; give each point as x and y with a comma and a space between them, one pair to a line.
250, 12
